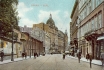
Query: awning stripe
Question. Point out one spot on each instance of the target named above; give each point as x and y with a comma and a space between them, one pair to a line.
100, 38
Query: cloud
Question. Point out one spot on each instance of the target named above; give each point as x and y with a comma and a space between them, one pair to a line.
66, 14
28, 22
23, 10
44, 15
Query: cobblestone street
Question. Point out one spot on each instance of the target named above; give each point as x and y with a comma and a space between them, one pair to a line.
49, 62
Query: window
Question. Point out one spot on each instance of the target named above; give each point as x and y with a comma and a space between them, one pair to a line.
87, 9
89, 25
100, 20
93, 24
90, 9
81, 31
98, 2
93, 4
79, 4
85, 12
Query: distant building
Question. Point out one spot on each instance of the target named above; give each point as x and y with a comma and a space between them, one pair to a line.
32, 40
52, 31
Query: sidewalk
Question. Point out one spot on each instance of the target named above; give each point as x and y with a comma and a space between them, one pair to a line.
97, 62
16, 59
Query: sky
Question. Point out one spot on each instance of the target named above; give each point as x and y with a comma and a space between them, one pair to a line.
36, 11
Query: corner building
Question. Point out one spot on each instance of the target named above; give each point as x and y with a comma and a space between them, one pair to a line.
91, 27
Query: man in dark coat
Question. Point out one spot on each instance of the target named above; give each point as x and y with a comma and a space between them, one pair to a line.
35, 55
22, 54
79, 56
2, 55
90, 60
63, 55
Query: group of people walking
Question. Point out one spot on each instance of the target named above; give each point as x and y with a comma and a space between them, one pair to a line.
35, 54
24, 54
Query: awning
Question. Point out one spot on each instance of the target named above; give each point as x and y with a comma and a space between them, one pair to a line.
100, 38
66, 51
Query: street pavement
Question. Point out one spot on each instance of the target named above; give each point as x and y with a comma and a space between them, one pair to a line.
50, 62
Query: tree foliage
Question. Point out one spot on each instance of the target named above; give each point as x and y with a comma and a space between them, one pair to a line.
8, 17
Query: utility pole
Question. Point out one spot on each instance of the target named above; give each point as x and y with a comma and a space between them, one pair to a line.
30, 46
12, 59
44, 37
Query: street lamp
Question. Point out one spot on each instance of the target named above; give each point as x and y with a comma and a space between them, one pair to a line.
12, 59
30, 47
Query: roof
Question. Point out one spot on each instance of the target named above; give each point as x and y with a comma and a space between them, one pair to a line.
75, 6
50, 21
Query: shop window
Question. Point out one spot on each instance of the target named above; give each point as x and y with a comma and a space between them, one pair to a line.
102, 46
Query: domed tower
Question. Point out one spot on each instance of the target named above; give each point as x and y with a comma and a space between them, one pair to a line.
50, 22
53, 32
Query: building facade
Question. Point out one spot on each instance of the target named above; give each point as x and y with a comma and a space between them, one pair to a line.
60, 41
32, 41
39, 35
74, 29
6, 45
47, 43
91, 27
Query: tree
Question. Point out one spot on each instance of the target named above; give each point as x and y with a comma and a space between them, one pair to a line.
8, 17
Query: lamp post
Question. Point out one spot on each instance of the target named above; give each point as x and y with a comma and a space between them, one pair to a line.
30, 48
12, 59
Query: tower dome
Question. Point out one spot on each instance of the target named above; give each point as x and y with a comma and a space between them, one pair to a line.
50, 21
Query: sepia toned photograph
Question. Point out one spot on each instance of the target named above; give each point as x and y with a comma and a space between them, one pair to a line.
51, 34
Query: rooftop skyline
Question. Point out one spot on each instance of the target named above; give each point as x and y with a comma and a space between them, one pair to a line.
36, 11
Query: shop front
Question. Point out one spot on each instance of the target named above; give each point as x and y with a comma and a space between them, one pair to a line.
100, 46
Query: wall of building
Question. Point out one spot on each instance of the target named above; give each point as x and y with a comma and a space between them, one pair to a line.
90, 25
74, 27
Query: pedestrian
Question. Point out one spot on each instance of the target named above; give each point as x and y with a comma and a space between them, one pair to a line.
22, 54
87, 56
79, 56
25, 55
2, 55
63, 55
102, 58
51, 53
90, 61
43, 53
35, 55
